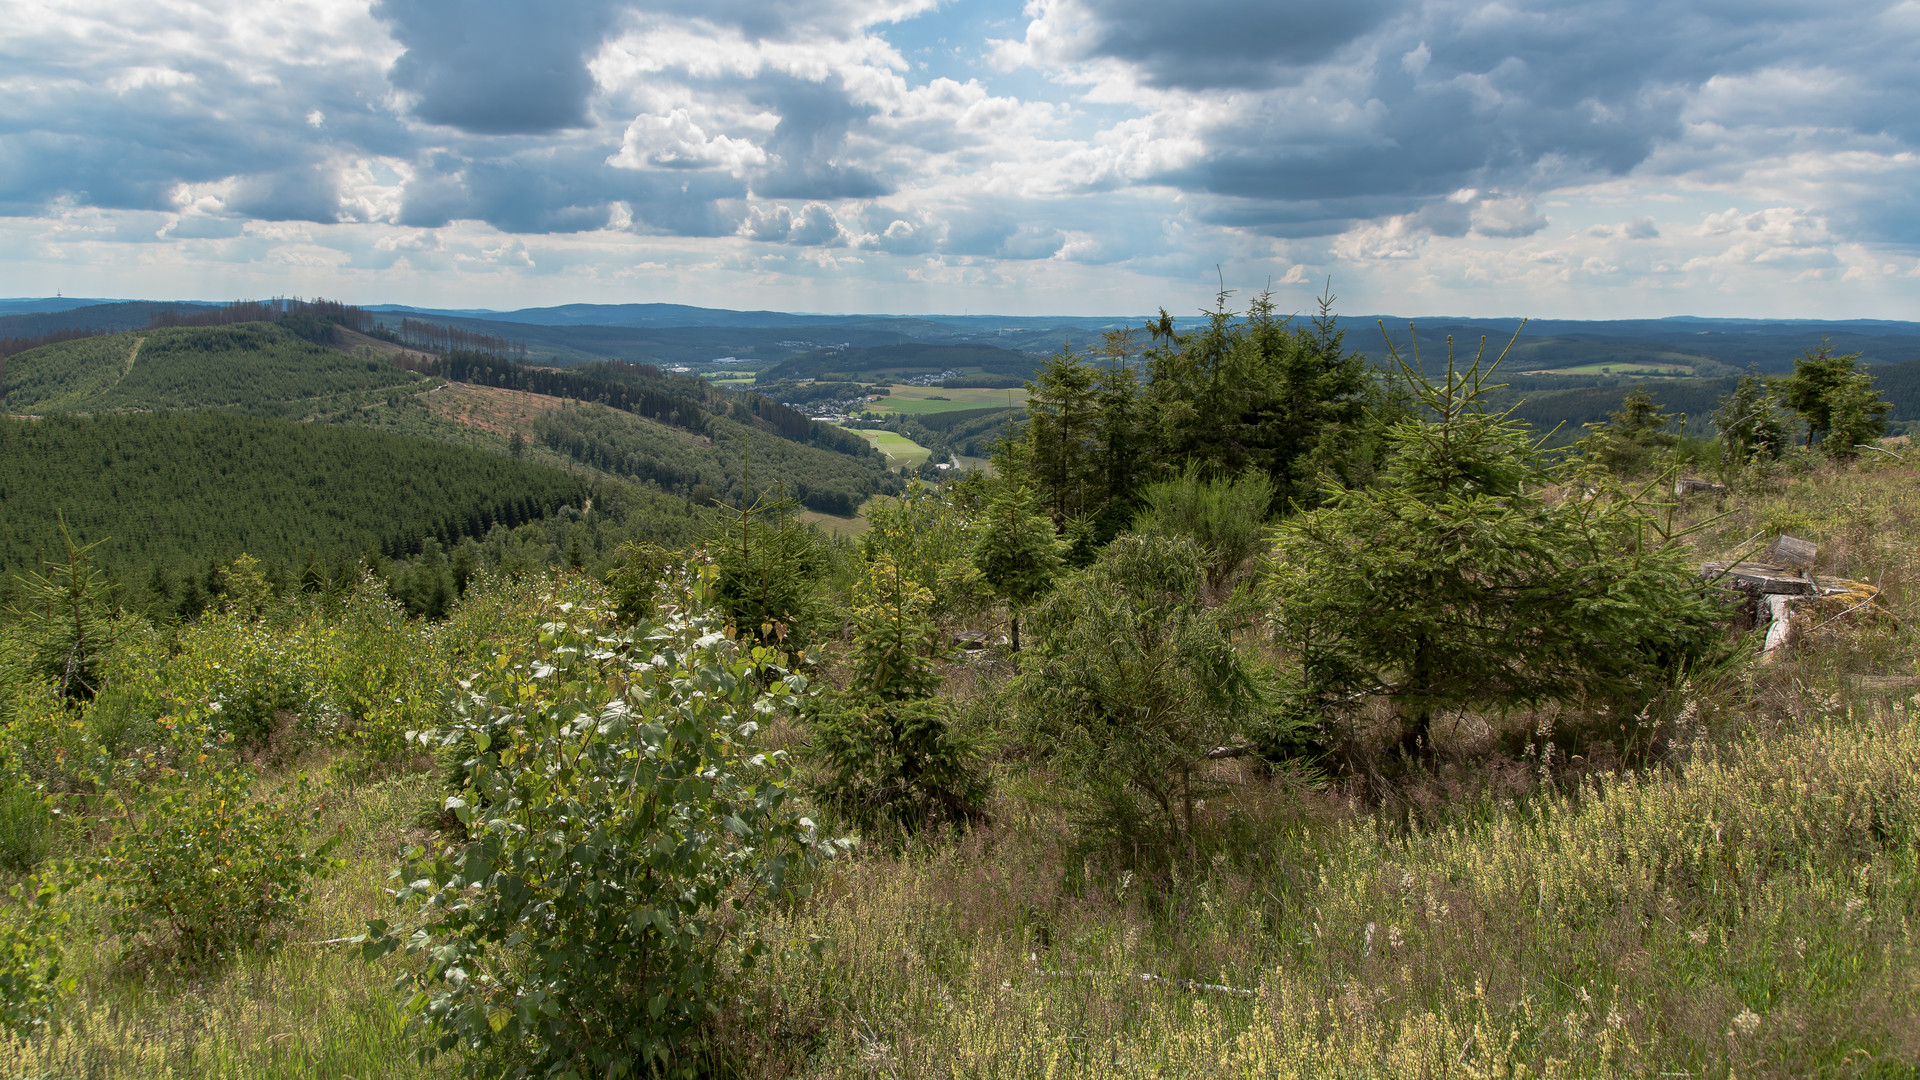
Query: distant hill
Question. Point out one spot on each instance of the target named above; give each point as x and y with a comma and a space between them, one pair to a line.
266, 370
105, 315
1714, 347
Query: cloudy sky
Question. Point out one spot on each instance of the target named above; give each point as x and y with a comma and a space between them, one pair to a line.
1603, 159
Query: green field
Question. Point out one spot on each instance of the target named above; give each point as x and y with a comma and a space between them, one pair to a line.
899, 449
939, 399
1618, 369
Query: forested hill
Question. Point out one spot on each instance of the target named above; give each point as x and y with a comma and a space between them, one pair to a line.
248, 367
177, 491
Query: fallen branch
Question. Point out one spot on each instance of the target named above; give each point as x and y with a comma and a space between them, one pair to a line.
1181, 984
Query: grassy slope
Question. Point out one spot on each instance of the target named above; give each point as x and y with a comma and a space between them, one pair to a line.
899, 449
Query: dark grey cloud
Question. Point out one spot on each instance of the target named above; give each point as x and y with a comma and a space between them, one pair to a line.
301, 194
1350, 112
810, 153
1224, 43
497, 67
570, 192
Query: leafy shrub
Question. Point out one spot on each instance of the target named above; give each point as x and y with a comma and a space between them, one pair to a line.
635, 581
891, 750
244, 678
619, 808
381, 677
200, 865
30, 953
929, 534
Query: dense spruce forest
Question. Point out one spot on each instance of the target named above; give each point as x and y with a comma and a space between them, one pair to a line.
169, 496
1265, 709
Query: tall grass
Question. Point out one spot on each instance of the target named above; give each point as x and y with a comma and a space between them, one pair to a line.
308, 1008
1753, 913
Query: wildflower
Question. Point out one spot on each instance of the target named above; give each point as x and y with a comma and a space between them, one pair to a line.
1747, 1022
1395, 938
1698, 937
1800, 947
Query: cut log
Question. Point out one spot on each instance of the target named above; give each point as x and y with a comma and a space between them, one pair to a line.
1758, 578
1789, 551
1688, 485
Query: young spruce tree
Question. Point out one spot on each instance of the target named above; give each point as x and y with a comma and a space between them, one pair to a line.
1454, 582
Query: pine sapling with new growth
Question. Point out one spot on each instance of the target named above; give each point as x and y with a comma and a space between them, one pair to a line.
1749, 424
892, 750
70, 620
1018, 552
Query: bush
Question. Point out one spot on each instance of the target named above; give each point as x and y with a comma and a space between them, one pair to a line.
201, 865
30, 933
381, 677
1455, 583
243, 678
619, 809
26, 828
1135, 679
1226, 516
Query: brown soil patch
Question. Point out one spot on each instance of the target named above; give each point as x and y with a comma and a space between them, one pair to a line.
488, 408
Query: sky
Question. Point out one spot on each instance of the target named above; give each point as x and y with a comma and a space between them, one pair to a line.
1607, 159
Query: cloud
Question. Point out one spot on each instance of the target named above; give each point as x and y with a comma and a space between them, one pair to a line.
1426, 147
497, 67
302, 194
1204, 43
809, 152
1510, 216
674, 141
